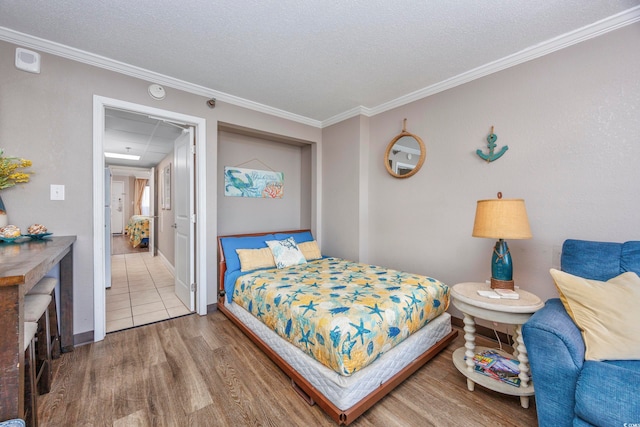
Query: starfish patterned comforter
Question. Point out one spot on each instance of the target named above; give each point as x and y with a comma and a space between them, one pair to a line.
138, 229
343, 314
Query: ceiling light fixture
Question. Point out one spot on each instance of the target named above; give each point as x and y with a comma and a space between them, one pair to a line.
121, 156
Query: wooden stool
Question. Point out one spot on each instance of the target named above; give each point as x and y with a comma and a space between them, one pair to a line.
47, 286
30, 392
36, 309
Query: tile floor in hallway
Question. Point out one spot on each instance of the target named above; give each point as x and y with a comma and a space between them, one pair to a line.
142, 291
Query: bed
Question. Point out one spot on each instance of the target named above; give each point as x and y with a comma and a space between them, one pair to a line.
345, 333
138, 230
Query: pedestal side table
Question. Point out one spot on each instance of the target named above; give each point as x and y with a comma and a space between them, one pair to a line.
516, 312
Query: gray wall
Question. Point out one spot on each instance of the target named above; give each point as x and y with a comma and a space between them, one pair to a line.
341, 177
571, 121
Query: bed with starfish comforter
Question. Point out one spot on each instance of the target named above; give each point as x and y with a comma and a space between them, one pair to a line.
341, 313
346, 333
138, 230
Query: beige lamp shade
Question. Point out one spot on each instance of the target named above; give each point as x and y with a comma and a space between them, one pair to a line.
501, 219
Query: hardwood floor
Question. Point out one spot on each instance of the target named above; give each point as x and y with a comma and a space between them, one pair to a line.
120, 245
202, 371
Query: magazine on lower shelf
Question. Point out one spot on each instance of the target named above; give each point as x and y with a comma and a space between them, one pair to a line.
499, 367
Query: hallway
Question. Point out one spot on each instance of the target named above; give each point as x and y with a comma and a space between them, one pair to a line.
142, 291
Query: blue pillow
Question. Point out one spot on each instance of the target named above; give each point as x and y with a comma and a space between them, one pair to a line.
304, 236
230, 244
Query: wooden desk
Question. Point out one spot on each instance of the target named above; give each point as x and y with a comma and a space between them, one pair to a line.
22, 265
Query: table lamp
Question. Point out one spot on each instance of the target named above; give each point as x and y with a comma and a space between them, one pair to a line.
501, 219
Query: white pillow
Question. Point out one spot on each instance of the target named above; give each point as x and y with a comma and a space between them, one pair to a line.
286, 252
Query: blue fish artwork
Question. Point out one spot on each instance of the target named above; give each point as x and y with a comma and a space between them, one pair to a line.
240, 182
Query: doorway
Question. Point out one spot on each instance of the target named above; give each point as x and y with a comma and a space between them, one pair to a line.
198, 124
142, 287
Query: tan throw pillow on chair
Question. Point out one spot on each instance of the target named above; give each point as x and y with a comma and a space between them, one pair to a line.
607, 313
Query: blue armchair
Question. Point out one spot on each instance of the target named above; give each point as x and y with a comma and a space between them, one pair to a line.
570, 391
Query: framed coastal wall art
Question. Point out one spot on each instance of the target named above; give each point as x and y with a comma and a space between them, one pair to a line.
239, 182
166, 187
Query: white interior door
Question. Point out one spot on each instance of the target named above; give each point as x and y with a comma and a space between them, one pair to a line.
152, 212
108, 237
183, 204
117, 207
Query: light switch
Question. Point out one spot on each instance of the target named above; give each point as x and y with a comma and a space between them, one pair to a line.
57, 192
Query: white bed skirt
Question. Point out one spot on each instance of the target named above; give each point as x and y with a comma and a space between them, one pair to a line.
344, 392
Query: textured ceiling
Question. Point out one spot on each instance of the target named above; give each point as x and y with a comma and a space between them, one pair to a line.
313, 58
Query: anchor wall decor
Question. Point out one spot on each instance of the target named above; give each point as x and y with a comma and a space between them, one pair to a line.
491, 143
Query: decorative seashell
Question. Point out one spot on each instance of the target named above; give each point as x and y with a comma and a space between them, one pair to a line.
37, 229
10, 231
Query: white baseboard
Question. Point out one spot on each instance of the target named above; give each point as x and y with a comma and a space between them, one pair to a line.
167, 263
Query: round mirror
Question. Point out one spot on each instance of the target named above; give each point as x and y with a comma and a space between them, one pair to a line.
405, 154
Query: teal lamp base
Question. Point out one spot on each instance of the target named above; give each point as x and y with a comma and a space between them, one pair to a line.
501, 267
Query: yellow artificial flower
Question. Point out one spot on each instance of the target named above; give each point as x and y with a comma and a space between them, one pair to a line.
9, 176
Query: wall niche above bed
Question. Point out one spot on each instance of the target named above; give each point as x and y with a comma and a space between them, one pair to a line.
258, 150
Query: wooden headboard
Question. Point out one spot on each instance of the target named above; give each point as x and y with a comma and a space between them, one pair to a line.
222, 264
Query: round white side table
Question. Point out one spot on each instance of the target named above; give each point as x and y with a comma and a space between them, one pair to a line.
514, 312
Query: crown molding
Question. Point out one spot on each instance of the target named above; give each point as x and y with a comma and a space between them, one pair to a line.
78, 55
356, 111
587, 32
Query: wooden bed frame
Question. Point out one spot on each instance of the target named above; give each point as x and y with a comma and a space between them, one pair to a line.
300, 384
